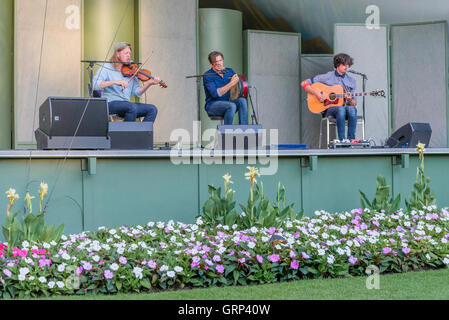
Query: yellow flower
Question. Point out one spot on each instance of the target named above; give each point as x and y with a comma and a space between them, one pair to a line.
252, 174
227, 178
420, 147
28, 200
11, 194
43, 189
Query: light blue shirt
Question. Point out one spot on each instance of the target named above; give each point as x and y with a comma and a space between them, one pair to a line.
333, 77
115, 92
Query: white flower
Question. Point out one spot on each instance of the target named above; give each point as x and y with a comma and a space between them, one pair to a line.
341, 251
444, 240
114, 266
65, 256
21, 277
171, 274
150, 224
42, 280
138, 272
24, 271
251, 245
164, 268
234, 226
321, 252
51, 284
446, 261
61, 267
112, 231
179, 269
60, 284
254, 230
437, 229
96, 258
46, 245
31, 278
330, 259
199, 221
25, 244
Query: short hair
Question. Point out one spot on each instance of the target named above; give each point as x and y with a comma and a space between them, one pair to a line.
213, 55
343, 58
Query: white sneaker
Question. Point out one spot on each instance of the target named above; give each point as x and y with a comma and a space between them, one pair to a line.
335, 141
345, 141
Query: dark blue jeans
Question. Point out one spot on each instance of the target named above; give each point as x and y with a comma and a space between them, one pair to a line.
227, 110
131, 111
341, 114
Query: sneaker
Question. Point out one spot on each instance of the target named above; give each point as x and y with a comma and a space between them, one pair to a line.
335, 141
355, 141
345, 141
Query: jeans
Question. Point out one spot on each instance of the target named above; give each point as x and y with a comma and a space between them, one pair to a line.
131, 111
227, 110
341, 114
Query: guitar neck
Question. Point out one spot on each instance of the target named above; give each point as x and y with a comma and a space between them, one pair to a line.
357, 94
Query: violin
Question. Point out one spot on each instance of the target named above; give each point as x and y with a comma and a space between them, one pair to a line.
131, 70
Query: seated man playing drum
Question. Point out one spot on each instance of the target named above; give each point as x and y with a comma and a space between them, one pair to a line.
217, 86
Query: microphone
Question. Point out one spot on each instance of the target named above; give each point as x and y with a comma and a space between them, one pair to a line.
359, 73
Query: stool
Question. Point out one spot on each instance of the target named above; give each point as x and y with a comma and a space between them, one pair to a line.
220, 118
332, 121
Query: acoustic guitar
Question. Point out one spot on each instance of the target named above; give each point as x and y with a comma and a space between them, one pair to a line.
334, 96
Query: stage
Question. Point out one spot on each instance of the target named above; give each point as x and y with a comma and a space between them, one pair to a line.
127, 187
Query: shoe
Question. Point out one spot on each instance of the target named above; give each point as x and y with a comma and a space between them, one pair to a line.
335, 141
355, 141
345, 141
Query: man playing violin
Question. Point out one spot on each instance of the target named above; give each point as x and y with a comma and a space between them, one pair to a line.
217, 84
117, 88
339, 76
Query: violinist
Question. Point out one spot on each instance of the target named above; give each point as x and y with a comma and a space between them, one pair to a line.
117, 88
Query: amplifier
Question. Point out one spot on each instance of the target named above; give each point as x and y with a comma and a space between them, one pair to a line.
239, 137
131, 135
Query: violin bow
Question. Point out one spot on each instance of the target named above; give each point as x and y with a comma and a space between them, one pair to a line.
141, 66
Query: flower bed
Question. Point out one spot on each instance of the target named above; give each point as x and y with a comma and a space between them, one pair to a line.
161, 255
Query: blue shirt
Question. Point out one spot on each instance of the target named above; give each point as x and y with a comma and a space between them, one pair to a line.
214, 82
115, 92
333, 78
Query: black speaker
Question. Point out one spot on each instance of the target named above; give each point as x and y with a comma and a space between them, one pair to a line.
131, 135
409, 135
239, 137
59, 118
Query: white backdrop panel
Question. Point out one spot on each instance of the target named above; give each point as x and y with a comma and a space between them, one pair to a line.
60, 72
273, 68
168, 34
369, 48
419, 77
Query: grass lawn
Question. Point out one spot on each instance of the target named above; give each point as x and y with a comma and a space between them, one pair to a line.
431, 285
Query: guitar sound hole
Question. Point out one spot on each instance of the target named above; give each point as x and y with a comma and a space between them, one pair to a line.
332, 96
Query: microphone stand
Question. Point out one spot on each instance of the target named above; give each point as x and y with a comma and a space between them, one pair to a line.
253, 116
364, 79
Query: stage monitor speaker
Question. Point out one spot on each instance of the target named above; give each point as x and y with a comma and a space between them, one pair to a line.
59, 118
239, 137
409, 135
131, 135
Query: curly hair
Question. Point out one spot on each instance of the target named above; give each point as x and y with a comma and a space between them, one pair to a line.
343, 58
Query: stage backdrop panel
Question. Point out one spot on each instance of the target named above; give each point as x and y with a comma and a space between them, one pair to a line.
311, 65
60, 72
272, 66
369, 48
168, 35
419, 77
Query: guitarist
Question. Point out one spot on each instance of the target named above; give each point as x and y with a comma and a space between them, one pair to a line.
348, 111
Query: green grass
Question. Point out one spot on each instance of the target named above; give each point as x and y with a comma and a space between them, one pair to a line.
430, 285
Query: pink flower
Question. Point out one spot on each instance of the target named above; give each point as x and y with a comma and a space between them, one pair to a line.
122, 260
352, 260
386, 250
216, 258
274, 258
271, 230
305, 255
7, 272
241, 260
294, 265
206, 248
44, 262
152, 264
79, 270
259, 259
108, 274
406, 250
220, 268
292, 254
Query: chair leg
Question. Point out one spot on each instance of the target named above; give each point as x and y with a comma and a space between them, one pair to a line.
321, 134
363, 129
327, 124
